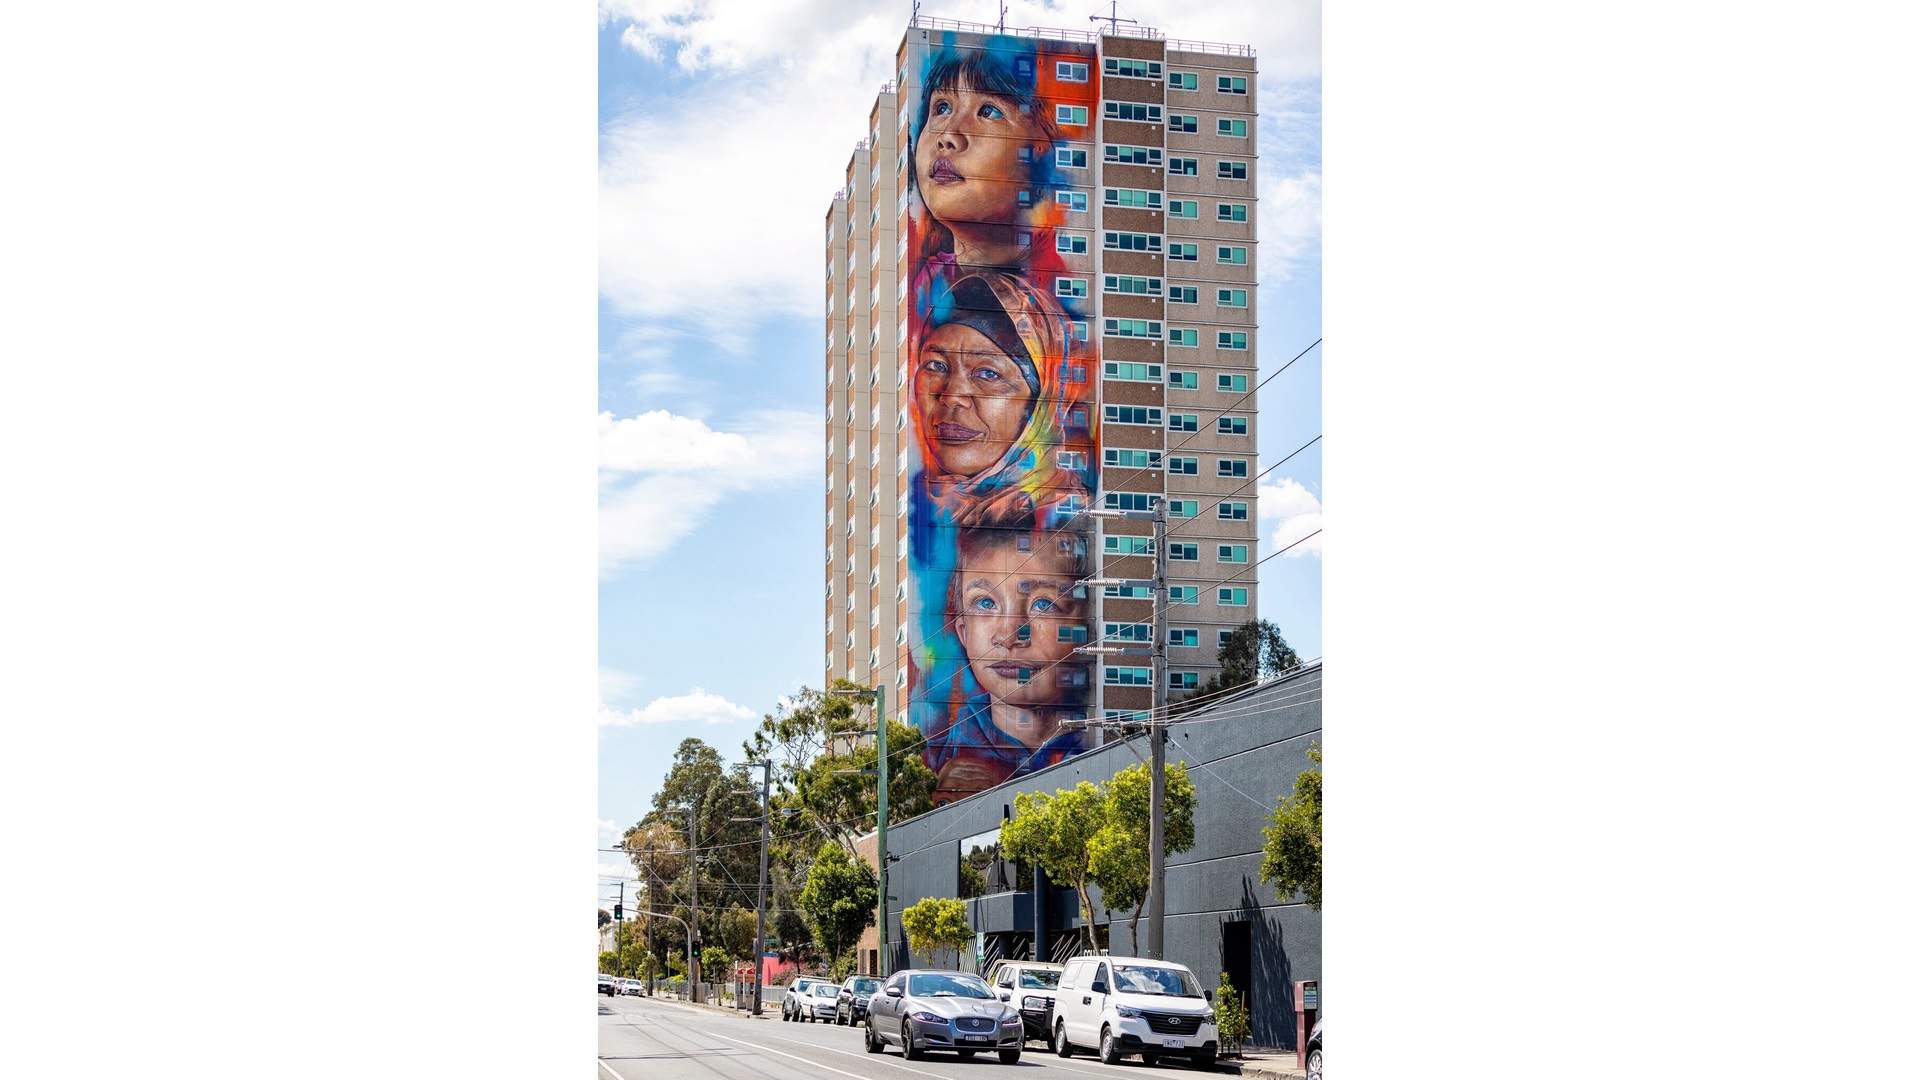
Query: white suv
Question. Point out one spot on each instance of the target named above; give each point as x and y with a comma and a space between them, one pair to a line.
1129, 1005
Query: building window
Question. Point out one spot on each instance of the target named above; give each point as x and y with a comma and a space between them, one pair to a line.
1187, 124
1183, 208
1183, 552
1128, 68
1182, 508
1230, 211
1129, 545
1116, 457
1183, 422
1126, 372
1130, 500
1131, 631
1183, 294
1183, 594
1235, 84
1183, 380
1133, 198
1230, 256
1232, 384
1186, 466
1132, 110
1066, 72
1235, 597
1183, 166
1133, 328
1069, 244
1183, 80
1128, 676
1071, 459
1072, 635
1233, 553
1234, 298
1235, 468
1235, 339
1233, 129
1230, 425
1070, 286
1076, 115
1183, 637
1132, 286
1131, 414
1183, 252
1067, 157
1188, 337
1130, 241
1231, 170
1119, 154
1129, 592
1233, 511
1183, 680
1074, 201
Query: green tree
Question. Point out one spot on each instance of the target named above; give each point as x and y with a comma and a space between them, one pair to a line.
1290, 858
1055, 832
1231, 1014
735, 927
605, 918
715, 963
839, 898
609, 964
1252, 651
1118, 854
935, 924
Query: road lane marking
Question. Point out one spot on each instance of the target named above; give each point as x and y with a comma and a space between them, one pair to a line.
609, 1068
804, 1061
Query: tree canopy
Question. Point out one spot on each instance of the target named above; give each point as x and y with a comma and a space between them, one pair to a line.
1252, 651
839, 899
935, 924
1290, 858
1055, 832
1118, 854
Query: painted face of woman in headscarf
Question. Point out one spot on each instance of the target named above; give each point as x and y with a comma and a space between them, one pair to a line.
973, 399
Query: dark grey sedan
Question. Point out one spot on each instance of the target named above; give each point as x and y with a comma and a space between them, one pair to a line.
943, 1010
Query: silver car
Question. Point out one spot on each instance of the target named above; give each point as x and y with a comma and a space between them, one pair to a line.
943, 1010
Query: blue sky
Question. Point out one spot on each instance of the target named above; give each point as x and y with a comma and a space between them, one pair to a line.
725, 128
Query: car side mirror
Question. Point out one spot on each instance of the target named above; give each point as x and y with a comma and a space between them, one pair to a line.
1098, 987
1209, 997
893, 991
1006, 995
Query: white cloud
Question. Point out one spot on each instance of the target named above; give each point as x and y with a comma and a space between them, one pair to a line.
712, 200
615, 685
696, 706
1296, 512
661, 473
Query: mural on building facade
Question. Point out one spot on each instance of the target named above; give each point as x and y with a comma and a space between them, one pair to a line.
1004, 448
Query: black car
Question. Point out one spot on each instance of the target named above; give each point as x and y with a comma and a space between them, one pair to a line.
855, 993
1313, 1053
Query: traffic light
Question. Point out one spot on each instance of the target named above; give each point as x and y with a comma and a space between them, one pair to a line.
616, 912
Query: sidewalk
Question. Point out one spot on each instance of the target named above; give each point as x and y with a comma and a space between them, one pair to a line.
1267, 1065
767, 1011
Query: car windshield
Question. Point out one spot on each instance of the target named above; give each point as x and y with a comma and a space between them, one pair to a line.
865, 986
1039, 980
1172, 982
825, 990
967, 986
803, 986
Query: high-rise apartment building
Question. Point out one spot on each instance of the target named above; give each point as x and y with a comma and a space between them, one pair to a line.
1040, 300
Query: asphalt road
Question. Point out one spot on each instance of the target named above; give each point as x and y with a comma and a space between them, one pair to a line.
651, 1039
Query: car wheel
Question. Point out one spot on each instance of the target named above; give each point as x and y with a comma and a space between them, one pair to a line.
874, 1045
1150, 1059
1205, 1058
1060, 1044
1109, 1049
1313, 1065
1009, 1057
907, 1049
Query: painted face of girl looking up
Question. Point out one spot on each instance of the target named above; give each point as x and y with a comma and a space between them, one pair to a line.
973, 399
968, 167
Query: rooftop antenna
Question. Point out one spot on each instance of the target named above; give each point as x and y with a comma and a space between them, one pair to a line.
1112, 19
915, 20
1003, 16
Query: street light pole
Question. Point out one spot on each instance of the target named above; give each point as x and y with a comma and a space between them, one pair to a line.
760, 908
880, 741
1157, 739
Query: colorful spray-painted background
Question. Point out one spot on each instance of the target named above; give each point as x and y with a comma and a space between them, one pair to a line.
1005, 448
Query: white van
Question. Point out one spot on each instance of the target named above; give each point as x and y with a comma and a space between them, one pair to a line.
1128, 1005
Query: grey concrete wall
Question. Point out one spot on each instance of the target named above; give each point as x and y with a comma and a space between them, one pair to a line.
1243, 758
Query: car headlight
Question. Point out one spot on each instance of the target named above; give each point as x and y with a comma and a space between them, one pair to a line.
1010, 1020
928, 1018
1031, 1002
1127, 1012
1207, 1017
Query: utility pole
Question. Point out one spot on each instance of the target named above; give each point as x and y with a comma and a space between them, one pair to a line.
693, 926
760, 909
1157, 738
880, 742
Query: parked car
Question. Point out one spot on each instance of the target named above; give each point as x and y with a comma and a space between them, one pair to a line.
1313, 1053
1128, 1005
607, 986
850, 1007
943, 1010
632, 987
1028, 985
801, 989
821, 1002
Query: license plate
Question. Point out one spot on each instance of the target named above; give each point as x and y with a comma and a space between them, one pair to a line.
1176, 1042
974, 1038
